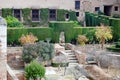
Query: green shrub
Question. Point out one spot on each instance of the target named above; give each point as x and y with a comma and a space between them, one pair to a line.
34, 70
13, 22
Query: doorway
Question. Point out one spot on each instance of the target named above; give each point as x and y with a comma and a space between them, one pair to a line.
107, 10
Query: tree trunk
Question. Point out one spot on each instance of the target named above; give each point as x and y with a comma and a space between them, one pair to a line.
102, 43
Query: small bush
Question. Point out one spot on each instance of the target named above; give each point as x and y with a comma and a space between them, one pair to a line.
29, 38
45, 50
40, 49
34, 70
13, 22
82, 39
29, 53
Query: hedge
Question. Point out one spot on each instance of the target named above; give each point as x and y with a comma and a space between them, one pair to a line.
62, 26
115, 23
53, 32
95, 19
13, 34
87, 31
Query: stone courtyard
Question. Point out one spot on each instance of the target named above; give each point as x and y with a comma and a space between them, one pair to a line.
53, 73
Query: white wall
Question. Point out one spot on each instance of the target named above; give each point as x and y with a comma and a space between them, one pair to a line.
62, 4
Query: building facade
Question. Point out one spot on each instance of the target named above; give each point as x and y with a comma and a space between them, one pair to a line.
108, 7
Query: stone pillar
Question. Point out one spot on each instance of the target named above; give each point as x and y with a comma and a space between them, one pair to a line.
3, 48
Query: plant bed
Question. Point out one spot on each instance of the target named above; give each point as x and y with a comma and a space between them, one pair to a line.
113, 48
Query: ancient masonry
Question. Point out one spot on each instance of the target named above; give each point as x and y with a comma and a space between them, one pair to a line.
3, 48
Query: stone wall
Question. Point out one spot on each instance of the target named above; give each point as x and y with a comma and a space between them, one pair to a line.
81, 57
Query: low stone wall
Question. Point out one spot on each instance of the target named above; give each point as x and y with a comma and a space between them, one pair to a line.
109, 61
14, 57
21, 76
81, 57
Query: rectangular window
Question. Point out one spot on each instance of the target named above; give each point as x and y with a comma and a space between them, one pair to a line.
52, 14
35, 15
97, 8
116, 8
77, 14
77, 4
17, 14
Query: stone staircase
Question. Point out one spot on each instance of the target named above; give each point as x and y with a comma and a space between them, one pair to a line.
71, 58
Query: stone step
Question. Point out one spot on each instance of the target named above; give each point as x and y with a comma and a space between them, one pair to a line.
68, 51
91, 62
71, 55
72, 58
73, 61
72, 64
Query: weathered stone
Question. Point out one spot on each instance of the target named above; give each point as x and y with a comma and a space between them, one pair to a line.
109, 60
62, 39
77, 71
81, 57
58, 48
70, 46
21, 76
97, 73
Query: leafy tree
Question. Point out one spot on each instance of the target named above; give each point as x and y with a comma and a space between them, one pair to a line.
103, 33
34, 70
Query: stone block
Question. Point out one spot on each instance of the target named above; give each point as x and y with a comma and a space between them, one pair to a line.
97, 73
81, 57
